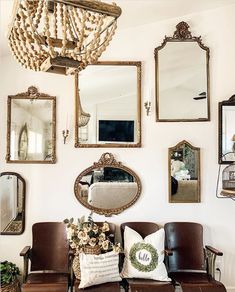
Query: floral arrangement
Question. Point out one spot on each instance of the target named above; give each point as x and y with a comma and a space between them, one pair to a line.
87, 234
8, 273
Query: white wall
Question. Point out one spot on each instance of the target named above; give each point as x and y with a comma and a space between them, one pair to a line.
50, 187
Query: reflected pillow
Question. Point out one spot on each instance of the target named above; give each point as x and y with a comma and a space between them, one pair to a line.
144, 257
99, 269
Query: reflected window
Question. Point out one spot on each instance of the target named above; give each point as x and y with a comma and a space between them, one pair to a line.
35, 142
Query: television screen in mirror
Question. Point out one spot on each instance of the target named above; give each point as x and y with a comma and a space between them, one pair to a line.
108, 99
12, 203
184, 173
107, 187
182, 77
31, 127
227, 131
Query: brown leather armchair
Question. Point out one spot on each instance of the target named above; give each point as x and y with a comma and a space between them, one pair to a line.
189, 264
49, 258
107, 287
144, 285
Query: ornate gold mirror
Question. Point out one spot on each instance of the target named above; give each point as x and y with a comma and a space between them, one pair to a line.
182, 78
31, 123
107, 187
108, 101
227, 131
12, 203
184, 173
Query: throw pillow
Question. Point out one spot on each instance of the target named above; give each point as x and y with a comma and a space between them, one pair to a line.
144, 257
99, 269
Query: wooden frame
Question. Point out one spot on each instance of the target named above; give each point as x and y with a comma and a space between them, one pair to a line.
31, 94
19, 177
229, 102
138, 126
182, 34
107, 160
176, 148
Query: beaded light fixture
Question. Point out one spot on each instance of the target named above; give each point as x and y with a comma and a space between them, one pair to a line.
61, 36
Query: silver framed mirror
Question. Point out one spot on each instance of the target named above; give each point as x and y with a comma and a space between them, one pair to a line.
182, 78
108, 105
12, 203
107, 187
31, 127
184, 173
227, 131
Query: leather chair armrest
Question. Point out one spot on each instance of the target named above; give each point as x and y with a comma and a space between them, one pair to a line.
213, 250
168, 252
25, 251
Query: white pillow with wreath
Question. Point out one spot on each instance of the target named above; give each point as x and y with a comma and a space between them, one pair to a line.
144, 257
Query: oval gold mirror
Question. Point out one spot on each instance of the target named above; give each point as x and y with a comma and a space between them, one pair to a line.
184, 173
12, 203
107, 187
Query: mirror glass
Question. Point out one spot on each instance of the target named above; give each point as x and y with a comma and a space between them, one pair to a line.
227, 131
107, 187
12, 203
109, 93
31, 128
182, 70
184, 173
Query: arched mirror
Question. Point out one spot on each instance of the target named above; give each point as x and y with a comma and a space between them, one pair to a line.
31, 127
107, 187
182, 78
184, 173
227, 131
12, 203
108, 105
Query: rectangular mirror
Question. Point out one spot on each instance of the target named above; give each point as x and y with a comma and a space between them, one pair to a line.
31, 127
108, 105
182, 78
227, 131
184, 173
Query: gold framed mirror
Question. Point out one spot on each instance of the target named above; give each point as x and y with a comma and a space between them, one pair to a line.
31, 127
108, 105
182, 78
184, 173
12, 203
227, 131
107, 187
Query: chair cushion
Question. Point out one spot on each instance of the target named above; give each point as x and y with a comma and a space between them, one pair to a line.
47, 278
149, 285
189, 277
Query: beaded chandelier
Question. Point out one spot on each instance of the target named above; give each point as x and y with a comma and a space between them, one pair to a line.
61, 36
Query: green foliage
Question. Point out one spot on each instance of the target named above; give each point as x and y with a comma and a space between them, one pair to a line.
8, 272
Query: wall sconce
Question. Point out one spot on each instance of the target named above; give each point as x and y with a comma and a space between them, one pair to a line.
147, 106
65, 134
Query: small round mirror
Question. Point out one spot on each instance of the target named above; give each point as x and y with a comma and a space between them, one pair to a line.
107, 187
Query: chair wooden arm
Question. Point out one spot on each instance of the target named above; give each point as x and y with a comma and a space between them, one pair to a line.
25, 251
213, 250
168, 252
26, 254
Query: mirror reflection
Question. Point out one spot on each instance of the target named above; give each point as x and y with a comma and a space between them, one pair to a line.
107, 187
227, 131
184, 170
31, 127
108, 105
182, 70
12, 203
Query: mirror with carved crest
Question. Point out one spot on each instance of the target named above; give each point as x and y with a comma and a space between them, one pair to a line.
108, 105
107, 187
12, 203
31, 122
182, 78
184, 173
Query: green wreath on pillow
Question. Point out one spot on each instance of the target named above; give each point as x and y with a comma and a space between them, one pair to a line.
134, 261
